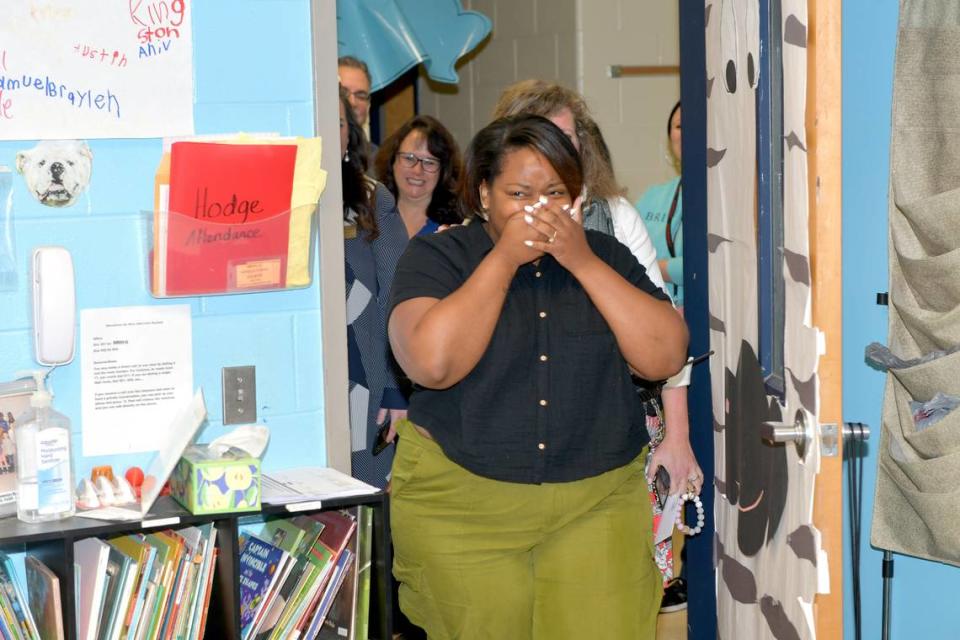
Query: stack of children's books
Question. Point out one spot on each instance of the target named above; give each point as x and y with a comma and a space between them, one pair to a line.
299, 576
152, 586
18, 615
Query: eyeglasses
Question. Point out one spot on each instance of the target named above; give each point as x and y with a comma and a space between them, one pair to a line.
362, 96
410, 160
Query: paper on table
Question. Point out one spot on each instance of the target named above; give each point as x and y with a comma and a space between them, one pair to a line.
136, 374
112, 514
310, 483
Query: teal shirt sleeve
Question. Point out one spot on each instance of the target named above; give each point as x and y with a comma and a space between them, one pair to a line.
654, 208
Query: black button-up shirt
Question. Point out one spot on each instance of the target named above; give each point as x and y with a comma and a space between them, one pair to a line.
551, 399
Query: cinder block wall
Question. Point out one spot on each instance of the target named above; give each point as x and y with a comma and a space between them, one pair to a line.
632, 111
530, 39
574, 42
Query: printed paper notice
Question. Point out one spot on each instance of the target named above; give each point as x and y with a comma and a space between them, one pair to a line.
137, 373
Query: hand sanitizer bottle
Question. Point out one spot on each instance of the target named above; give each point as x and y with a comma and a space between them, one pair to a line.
44, 459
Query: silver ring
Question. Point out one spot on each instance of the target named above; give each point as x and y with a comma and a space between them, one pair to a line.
553, 238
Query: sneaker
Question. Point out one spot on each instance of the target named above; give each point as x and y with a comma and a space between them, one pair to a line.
674, 596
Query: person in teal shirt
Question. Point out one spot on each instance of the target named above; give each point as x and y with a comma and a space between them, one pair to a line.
661, 207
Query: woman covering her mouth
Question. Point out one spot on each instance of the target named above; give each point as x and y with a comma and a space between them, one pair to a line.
518, 506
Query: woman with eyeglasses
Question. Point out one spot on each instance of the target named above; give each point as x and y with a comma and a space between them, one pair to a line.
420, 165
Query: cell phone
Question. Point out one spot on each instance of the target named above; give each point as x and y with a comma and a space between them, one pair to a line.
380, 442
661, 485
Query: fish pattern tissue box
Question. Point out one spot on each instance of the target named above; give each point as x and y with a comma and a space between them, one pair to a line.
204, 484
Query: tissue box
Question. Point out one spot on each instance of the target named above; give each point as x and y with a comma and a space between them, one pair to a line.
205, 484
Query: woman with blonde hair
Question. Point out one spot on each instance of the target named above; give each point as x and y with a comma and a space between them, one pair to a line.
606, 210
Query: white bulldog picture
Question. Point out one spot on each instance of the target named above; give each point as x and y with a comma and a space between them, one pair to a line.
56, 171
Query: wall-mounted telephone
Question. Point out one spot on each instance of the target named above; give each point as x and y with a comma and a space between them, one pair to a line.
54, 305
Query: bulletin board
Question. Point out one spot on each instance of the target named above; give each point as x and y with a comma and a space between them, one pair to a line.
79, 69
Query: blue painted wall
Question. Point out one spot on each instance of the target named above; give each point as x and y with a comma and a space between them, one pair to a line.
924, 593
252, 69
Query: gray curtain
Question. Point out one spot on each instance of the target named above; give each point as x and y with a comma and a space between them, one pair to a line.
917, 503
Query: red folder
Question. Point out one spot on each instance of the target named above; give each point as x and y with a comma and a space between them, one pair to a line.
228, 219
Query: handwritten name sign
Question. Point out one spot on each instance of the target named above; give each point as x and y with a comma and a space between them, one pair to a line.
228, 227
76, 69
232, 208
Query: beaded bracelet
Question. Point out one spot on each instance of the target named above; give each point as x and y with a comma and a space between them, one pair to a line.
690, 497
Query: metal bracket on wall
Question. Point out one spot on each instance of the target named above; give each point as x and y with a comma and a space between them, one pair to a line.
853, 432
829, 443
624, 71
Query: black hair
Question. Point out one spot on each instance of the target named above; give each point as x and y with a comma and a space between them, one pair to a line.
357, 190
670, 117
484, 157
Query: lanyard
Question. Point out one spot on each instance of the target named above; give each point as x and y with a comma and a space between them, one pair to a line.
669, 233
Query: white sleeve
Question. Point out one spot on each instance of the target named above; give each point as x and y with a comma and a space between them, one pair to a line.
680, 378
629, 229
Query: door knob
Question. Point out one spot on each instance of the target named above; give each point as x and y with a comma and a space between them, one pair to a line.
798, 432
801, 435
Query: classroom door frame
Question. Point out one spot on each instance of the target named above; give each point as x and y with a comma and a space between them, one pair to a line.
824, 131
329, 272
701, 577
824, 156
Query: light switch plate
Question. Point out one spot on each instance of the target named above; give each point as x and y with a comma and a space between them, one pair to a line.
239, 395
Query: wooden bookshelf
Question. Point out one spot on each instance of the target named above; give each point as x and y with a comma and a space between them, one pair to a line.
53, 544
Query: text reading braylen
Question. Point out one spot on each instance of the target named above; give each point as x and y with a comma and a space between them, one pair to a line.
80, 99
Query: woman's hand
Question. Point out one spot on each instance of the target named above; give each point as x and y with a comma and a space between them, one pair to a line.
559, 232
676, 456
516, 241
395, 416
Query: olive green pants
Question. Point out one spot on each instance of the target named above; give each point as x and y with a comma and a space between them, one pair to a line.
479, 558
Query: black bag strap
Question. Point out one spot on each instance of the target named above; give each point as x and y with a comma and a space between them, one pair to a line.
668, 231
